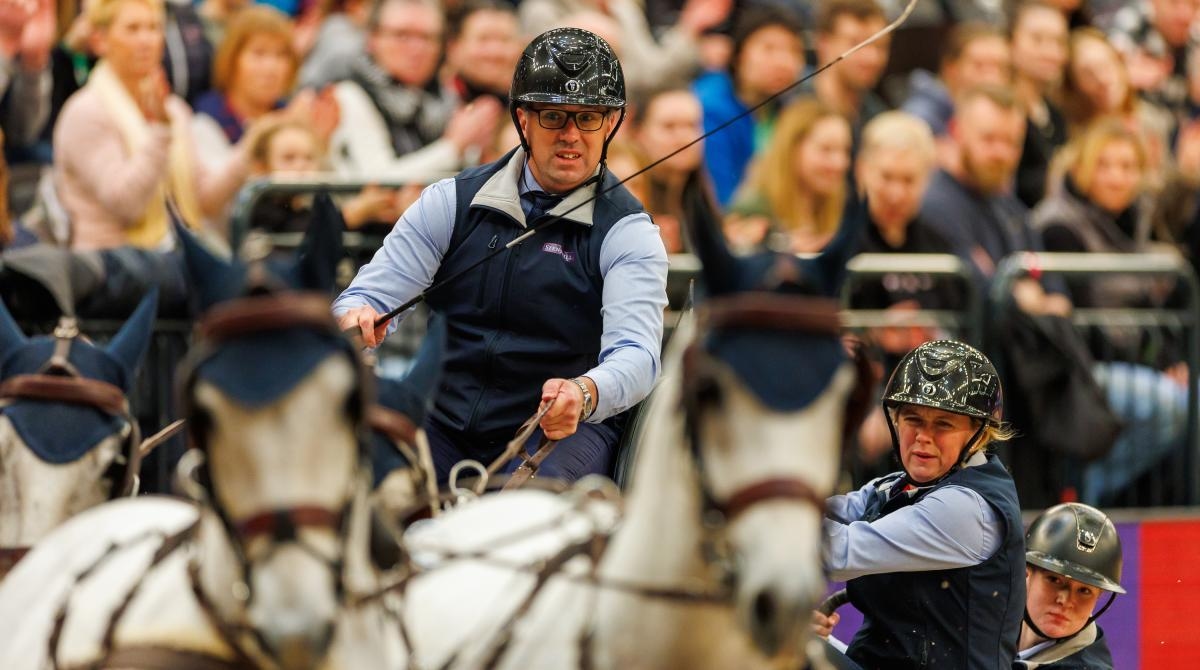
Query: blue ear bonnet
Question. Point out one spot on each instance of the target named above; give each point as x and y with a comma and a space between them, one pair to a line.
786, 370
76, 428
280, 360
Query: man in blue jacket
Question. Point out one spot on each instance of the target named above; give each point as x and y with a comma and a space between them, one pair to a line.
571, 316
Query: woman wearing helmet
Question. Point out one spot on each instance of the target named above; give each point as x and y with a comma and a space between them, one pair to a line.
933, 554
1072, 553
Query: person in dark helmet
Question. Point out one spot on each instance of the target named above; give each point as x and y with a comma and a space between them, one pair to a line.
572, 316
1072, 556
933, 554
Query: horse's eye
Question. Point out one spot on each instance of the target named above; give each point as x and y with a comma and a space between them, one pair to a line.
200, 423
709, 393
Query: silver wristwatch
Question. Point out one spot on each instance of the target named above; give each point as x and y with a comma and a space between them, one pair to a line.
588, 405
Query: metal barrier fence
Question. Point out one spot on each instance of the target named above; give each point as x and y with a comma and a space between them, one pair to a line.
1136, 346
963, 323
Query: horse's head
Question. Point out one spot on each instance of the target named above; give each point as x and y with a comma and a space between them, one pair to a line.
767, 385
67, 440
276, 399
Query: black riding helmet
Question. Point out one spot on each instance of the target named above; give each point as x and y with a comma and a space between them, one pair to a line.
950, 376
1079, 542
568, 66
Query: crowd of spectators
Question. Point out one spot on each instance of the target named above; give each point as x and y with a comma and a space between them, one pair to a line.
1064, 125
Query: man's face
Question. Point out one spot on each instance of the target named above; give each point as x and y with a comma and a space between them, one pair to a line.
1039, 45
1058, 605
895, 182
486, 51
408, 42
771, 58
564, 158
989, 139
860, 72
673, 120
986, 60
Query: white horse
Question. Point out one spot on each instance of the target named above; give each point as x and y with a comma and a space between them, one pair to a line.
67, 441
271, 567
716, 562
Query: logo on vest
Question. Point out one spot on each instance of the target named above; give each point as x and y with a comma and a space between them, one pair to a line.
556, 248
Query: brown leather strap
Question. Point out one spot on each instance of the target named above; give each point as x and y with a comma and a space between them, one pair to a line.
515, 445
529, 465
257, 314
397, 427
305, 516
769, 311
161, 658
784, 488
76, 390
154, 441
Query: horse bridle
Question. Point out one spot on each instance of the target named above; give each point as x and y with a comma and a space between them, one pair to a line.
772, 312
252, 315
59, 381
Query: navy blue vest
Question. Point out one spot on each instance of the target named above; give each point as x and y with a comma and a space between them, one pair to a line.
960, 618
530, 314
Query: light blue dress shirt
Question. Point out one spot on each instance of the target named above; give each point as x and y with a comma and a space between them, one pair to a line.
952, 527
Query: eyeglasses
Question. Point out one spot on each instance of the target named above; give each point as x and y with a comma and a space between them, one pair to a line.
555, 119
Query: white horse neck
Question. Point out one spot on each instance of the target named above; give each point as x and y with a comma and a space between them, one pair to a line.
36, 496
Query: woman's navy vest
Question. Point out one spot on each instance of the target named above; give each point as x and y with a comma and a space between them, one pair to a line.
530, 314
963, 618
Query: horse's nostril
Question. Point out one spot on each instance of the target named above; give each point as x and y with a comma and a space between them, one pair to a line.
764, 608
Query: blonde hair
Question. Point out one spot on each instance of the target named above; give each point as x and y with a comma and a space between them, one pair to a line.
1082, 154
773, 175
260, 146
898, 131
248, 23
102, 13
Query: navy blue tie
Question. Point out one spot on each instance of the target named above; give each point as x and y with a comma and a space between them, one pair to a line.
539, 203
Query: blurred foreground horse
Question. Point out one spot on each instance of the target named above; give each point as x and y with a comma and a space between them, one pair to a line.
272, 564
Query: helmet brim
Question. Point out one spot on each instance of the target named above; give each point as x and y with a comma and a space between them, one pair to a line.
556, 99
1072, 570
896, 399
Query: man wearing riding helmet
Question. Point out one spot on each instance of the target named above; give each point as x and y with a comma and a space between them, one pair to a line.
933, 554
573, 315
1072, 553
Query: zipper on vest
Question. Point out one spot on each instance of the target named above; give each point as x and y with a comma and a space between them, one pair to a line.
481, 293
489, 352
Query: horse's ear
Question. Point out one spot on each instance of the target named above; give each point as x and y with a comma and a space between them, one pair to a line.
11, 336
212, 279
130, 343
426, 372
828, 270
321, 250
703, 227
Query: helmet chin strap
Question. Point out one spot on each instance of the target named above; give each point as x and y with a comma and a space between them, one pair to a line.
1038, 631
